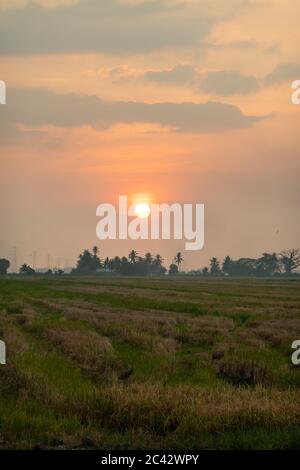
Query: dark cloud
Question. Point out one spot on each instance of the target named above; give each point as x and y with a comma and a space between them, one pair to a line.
108, 26
221, 83
100, 26
37, 107
283, 73
228, 82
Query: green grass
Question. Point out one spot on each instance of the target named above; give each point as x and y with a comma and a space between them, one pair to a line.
70, 340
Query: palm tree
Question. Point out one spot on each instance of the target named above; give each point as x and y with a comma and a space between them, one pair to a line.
132, 256
106, 263
95, 250
116, 263
215, 266
158, 260
148, 258
178, 259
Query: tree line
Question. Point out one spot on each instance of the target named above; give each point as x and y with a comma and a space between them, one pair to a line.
89, 262
125, 266
269, 264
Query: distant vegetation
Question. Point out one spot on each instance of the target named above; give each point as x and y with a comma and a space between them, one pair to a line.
4, 265
89, 262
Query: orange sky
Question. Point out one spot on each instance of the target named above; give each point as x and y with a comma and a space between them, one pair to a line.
56, 169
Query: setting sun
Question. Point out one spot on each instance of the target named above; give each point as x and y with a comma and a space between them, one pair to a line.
142, 210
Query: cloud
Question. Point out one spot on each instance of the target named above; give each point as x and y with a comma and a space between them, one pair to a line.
283, 73
122, 73
109, 26
100, 26
239, 44
179, 75
228, 82
37, 107
221, 83
13, 4
242, 44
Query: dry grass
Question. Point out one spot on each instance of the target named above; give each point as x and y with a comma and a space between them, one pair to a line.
242, 373
150, 363
90, 351
162, 409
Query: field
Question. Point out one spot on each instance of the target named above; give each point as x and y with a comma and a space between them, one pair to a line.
149, 363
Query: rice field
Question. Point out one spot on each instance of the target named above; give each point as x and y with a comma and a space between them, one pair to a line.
136, 363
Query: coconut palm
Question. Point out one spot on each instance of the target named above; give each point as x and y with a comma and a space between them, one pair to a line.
95, 250
148, 258
106, 263
133, 256
158, 260
178, 259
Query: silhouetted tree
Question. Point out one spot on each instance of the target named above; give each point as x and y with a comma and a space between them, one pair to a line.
95, 250
178, 259
215, 269
136, 265
148, 265
4, 265
106, 263
267, 264
88, 263
227, 265
245, 267
158, 260
290, 260
132, 256
148, 258
115, 264
240, 267
173, 269
96, 259
157, 267
26, 269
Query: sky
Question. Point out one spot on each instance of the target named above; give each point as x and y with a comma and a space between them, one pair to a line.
183, 101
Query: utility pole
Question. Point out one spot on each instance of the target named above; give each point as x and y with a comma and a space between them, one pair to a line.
48, 261
34, 258
14, 260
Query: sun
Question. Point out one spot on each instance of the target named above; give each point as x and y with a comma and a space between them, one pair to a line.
142, 210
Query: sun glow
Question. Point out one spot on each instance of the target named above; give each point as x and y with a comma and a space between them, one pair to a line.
142, 210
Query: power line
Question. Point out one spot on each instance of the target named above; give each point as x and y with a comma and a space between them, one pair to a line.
14, 260
34, 259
